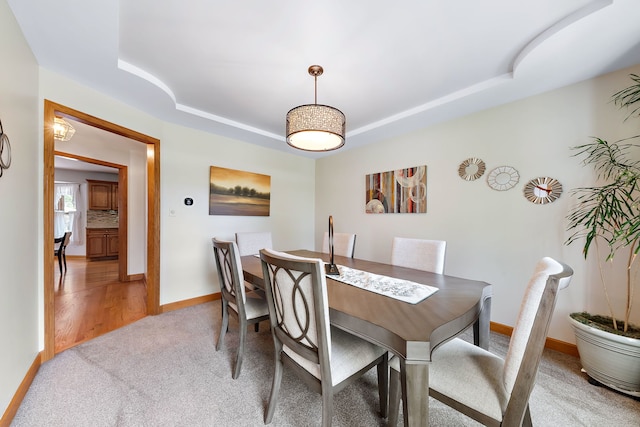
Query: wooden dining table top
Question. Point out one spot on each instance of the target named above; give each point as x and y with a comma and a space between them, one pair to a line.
411, 331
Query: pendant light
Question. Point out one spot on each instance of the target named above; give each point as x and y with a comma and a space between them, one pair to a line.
62, 130
315, 127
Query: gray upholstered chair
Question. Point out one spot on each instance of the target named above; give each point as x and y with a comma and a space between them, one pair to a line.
419, 254
246, 306
428, 255
250, 242
481, 385
344, 244
327, 359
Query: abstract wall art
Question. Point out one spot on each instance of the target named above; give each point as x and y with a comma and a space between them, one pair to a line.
397, 191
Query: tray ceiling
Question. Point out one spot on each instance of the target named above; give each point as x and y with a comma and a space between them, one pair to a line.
236, 68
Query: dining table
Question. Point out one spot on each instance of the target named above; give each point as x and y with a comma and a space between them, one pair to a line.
411, 331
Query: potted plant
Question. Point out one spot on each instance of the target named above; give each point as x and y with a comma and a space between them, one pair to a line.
607, 216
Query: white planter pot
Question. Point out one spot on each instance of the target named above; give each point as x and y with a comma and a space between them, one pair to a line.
610, 359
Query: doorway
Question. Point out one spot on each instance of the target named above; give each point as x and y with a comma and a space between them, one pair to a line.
152, 272
83, 163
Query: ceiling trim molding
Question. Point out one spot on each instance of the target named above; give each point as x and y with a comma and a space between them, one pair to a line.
556, 28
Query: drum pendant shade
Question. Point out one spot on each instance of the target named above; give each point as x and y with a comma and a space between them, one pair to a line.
315, 127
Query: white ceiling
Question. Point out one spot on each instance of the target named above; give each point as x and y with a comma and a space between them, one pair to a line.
236, 68
73, 164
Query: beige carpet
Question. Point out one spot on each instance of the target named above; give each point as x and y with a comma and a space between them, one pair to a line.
164, 371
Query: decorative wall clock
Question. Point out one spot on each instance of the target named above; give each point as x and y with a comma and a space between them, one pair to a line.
542, 190
5, 150
503, 178
471, 169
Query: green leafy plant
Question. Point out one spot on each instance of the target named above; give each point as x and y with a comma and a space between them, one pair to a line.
609, 213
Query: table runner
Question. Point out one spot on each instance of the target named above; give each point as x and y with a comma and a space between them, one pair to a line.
399, 289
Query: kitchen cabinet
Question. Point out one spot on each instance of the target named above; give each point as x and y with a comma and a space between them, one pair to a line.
102, 243
103, 195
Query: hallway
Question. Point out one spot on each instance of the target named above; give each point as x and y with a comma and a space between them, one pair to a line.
90, 301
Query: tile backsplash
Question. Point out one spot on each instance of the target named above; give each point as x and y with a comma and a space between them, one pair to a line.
102, 219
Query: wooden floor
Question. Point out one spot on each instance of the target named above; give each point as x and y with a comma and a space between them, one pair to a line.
90, 301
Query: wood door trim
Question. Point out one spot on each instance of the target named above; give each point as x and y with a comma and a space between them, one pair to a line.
51, 109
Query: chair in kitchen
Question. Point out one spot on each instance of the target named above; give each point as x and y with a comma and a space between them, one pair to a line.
481, 385
419, 254
344, 244
246, 306
61, 250
326, 358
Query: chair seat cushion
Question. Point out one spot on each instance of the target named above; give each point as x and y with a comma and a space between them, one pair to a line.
349, 354
467, 374
255, 306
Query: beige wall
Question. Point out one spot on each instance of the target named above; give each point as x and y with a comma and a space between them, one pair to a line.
187, 267
492, 236
20, 212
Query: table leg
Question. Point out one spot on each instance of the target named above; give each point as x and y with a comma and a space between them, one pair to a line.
415, 393
482, 326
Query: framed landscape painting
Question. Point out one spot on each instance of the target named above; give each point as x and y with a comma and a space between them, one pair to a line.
234, 192
398, 191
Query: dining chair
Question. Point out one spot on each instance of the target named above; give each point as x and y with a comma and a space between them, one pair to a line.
344, 244
419, 254
61, 250
250, 242
481, 385
326, 358
246, 306
429, 255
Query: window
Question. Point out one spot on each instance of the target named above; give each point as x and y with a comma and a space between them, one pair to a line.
68, 211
